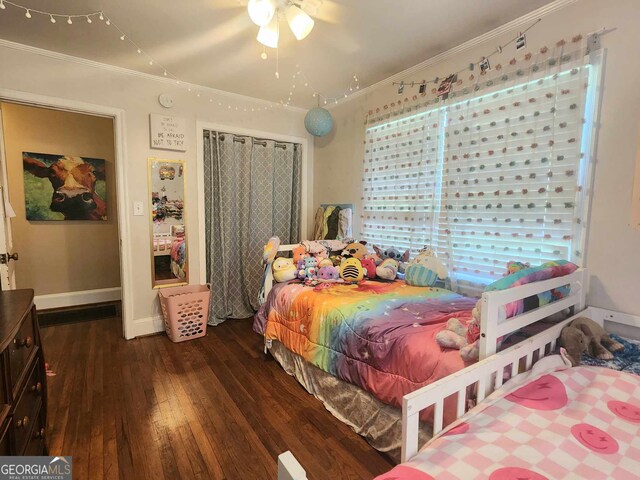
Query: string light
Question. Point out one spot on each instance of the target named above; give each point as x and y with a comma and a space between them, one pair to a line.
53, 16
354, 84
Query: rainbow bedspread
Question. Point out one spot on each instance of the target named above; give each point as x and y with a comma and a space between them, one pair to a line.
378, 336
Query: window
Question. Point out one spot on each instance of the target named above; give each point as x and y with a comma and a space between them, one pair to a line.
499, 175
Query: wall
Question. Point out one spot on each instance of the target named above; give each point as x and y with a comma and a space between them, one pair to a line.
30, 70
612, 250
61, 256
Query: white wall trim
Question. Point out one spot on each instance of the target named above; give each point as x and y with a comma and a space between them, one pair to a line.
148, 326
518, 23
122, 195
307, 169
147, 76
72, 299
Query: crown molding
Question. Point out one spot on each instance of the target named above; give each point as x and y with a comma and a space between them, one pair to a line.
134, 73
524, 20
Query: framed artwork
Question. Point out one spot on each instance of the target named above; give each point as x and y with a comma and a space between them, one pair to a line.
64, 187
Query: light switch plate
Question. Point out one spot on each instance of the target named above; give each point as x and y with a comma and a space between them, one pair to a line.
137, 209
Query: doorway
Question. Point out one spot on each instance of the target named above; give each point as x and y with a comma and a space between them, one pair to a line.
59, 188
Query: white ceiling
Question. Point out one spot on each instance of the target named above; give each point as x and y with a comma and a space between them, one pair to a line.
212, 42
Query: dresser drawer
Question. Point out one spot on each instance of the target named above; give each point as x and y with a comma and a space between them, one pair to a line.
36, 442
5, 398
20, 349
27, 407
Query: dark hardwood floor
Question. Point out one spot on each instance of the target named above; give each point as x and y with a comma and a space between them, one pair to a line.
211, 408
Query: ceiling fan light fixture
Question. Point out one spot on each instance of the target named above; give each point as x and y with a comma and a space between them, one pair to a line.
261, 12
269, 34
300, 23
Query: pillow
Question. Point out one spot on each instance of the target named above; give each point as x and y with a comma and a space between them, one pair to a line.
545, 271
418, 275
425, 269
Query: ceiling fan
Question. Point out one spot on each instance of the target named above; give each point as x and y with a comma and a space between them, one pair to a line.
266, 14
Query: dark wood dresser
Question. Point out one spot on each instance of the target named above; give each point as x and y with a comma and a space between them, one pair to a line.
23, 390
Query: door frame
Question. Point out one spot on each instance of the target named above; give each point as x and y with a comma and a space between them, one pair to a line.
122, 192
6, 271
307, 169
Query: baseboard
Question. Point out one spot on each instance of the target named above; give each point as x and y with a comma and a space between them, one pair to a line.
147, 326
72, 299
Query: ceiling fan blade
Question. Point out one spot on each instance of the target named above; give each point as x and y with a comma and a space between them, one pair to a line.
327, 11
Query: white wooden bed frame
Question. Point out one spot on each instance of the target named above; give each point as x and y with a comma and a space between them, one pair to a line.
493, 323
487, 375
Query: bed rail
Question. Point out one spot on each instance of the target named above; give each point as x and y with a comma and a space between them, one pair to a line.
494, 324
487, 375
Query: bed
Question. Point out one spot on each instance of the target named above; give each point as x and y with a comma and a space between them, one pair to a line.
361, 348
172, 244
548, 421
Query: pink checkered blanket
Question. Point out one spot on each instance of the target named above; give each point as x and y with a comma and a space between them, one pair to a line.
553, 422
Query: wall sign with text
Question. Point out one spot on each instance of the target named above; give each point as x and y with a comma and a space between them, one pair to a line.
168, 133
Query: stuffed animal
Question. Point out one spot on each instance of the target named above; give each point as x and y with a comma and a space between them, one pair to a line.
585, 335
310, 267
284, 269
388, 269
325, 262
351, 270
337, 260
299, 253
373, 256
270, 250
370, 267
394, 254
425, 269
328, 274
513, 267
355, 250
462, 336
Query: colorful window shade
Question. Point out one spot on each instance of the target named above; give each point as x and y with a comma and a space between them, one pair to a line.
496, 176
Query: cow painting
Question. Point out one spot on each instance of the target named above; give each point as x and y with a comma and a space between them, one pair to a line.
64, 187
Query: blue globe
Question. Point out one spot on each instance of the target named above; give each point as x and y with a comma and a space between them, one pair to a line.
318, 122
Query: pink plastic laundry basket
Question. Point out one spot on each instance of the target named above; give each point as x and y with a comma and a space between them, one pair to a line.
185, 311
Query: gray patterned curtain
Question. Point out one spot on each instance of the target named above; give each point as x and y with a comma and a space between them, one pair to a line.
252, 191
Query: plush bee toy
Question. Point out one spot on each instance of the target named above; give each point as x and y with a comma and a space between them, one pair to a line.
351, 270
